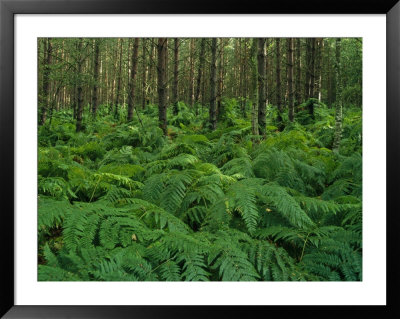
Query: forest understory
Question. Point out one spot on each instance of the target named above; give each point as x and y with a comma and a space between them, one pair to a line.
129, 193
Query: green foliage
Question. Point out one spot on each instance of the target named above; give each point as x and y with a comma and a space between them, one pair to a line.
121, 202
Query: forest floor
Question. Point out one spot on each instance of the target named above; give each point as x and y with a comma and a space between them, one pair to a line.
119, 201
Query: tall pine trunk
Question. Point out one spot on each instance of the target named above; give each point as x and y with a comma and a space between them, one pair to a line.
278, 84
200, 71
162, 83
254, 100
290, 77
48, 49
262, 108
298, 73
338, 103
176, 69
213, 84
119, 79
132, 80
191, 73
95, 76
79, 88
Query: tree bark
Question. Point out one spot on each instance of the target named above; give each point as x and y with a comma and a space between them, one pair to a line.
213, 84
290, 78
191, 73
278, 83
298, 73
338, 103
262, 109
254, 108
132, 80
200, 70
162, 83
119, 78
48, 49
79, 89
175, 85
95, 76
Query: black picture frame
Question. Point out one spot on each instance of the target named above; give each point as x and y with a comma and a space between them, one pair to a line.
8, 8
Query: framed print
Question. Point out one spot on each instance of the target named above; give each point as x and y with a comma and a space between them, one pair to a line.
166, 159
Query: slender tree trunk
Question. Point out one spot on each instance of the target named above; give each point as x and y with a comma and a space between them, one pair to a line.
176, 69
312, 78
95, 76
132, 80
312, 69
213, 84
162, 83
320, 52
79, 88
48, 49
191, 74
278, 83
200, 70
144, 73
290, 78
262, 107
298, 73
308, 69
338, 103
254, 109
119, 79
220, 108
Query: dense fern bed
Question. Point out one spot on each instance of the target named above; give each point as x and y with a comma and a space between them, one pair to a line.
120, 202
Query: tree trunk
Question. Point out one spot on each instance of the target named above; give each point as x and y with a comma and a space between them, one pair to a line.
46, 81
290, 77
312, 69
79, 88
132, 81
254, 108
298, 73
262, 108
175, 85
213, 84
200, 70
338, 103
144, 73
95, 76
191, 73
162, 83
308, 69
220, 108
119, 79
278, 83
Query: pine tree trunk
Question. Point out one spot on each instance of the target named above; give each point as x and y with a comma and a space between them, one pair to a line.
213, 84
48, 49
200, 70
162, 83
191, 73
132, 80
262, 107
278, 84
220, 108
308, 69
338, 103
144, 73
176, 68
254, 75
79, 89
298, 73
119, 79
290, 78
95, 76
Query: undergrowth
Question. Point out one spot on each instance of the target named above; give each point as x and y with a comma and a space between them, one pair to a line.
121, 202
